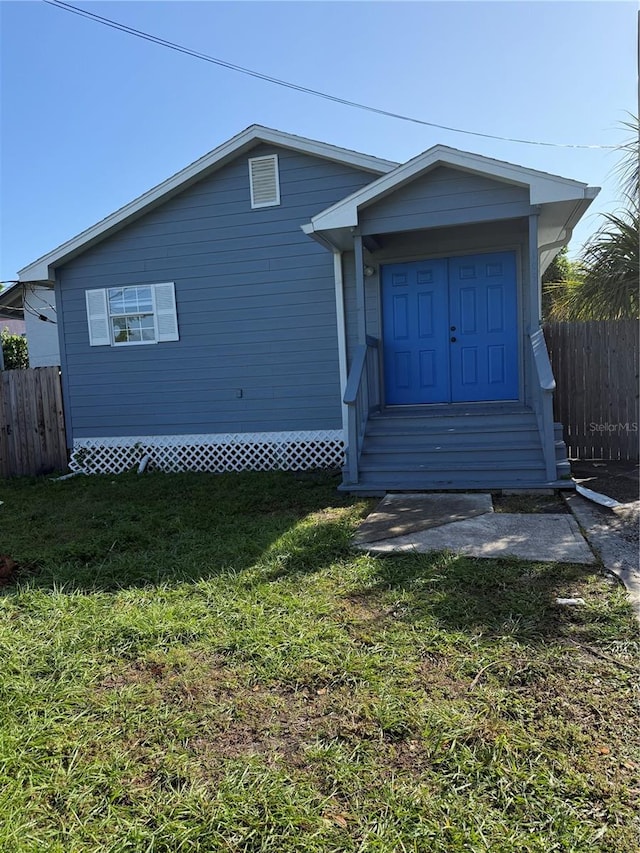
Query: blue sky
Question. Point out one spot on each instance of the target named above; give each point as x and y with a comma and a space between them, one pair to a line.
92, 117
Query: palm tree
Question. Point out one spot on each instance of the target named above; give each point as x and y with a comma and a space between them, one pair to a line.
628, 167
608, 273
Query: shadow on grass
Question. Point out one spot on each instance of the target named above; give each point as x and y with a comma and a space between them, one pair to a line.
106, 533
504, 597
110, 533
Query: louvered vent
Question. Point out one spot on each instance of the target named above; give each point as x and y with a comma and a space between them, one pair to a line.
264, 180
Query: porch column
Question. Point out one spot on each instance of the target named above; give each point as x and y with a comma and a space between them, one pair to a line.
360, 297
535, 304
541, 369
342, 334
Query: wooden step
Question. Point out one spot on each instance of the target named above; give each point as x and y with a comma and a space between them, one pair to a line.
407, 449
479, 423
375, 489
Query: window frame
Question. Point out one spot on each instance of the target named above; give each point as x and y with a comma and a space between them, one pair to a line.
164, 313
152, 314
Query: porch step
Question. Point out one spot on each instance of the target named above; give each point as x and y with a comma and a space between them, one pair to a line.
373, 488
453, 440
467, 459
466, 450
443, 423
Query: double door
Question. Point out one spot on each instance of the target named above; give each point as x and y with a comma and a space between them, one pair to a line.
450, 330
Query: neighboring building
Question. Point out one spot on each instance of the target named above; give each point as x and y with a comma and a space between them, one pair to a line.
282, 302
13, 326
11, 311
35, 305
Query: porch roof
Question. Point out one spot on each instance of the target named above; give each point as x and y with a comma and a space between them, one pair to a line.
561, 202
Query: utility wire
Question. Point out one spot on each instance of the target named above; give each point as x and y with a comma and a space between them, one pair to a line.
107, 22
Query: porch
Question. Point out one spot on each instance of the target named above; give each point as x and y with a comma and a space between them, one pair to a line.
446, 376
491, 445
449, 383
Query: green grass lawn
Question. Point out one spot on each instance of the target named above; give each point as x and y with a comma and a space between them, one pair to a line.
202, 663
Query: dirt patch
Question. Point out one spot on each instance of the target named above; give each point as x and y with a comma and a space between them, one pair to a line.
277, 723
199, 675
621, 525
362, 609
322, 516
8, 569
619, 480
11, 571
437, 680
273, 723
292, 728
529, 503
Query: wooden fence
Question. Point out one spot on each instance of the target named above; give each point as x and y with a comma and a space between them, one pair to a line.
595, 365
32, 436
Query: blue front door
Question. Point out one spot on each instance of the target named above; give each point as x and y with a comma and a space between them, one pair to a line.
450, 330
416, 332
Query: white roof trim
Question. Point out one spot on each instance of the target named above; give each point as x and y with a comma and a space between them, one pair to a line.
42, 268
544, 187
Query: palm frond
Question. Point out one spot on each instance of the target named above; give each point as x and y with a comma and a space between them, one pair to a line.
628, 168
609, 286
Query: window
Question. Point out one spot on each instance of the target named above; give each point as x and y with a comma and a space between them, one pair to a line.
264, 181
133, 314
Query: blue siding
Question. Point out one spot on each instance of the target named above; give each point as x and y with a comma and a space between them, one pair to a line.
256, 311
444, 196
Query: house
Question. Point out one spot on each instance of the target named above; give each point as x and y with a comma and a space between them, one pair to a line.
284, 303
34, 304
11, 310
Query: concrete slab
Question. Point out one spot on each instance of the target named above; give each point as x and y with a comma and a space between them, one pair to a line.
526, 536
400, 515
533, 492
614, 536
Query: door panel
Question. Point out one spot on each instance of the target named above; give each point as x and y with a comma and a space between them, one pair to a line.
415, 311
450, 330
482, 307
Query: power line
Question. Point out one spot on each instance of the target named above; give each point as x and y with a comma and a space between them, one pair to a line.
107, 22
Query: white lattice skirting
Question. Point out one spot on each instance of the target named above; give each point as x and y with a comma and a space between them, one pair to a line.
249, 451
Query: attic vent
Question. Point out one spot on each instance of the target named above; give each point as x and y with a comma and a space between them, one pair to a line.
264, 181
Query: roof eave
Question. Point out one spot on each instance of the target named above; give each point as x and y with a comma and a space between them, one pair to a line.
12, 302
43, 269
544, 188
561, 235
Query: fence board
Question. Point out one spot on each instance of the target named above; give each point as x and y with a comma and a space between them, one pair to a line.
58, 432
4, 431
32, 434
595, 365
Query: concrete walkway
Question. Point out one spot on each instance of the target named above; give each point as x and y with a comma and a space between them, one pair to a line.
466, 524
614, 536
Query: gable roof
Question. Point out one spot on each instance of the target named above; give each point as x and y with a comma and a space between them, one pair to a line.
543, 187
12, 302
41, 269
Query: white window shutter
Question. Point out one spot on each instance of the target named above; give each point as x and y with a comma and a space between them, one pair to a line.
98, 318
165, 313
264, 181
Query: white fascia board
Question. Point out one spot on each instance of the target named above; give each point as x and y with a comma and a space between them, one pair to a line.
544, 187
324, 150
42, 268
557, 222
